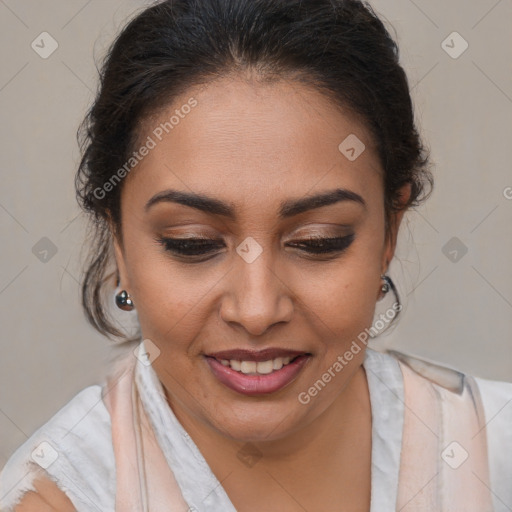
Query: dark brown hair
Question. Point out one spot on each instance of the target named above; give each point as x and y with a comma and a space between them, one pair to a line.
339, 46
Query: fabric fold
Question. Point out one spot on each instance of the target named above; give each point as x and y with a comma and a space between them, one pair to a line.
429, 449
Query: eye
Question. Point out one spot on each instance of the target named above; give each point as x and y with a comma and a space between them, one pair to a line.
190, 246
193, 247
324, 245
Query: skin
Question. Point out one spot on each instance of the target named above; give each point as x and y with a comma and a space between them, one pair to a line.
253, 146
47, 498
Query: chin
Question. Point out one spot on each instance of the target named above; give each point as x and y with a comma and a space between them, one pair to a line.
257, 426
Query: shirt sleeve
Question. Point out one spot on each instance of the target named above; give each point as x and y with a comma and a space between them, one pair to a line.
73, 449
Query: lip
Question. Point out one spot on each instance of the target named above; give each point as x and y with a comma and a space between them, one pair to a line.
256, 355
258, 384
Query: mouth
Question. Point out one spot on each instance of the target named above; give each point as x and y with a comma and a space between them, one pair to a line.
254, 373
263, 367
255, 355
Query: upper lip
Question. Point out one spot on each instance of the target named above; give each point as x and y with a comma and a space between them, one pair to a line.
256, 355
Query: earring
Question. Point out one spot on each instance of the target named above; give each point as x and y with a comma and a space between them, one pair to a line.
386, 286
389, 285
386, 319
124, 301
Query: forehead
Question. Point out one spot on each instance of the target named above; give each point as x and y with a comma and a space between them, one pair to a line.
246, 141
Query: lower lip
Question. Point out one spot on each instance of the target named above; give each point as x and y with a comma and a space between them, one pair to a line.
257, 384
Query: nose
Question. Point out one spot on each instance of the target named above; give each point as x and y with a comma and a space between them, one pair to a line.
256, 297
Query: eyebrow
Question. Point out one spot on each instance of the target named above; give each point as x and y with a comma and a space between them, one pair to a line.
288, 208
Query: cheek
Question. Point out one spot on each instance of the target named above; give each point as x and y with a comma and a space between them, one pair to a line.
169, 300
361, 277
349, 280
342, 303
342, 295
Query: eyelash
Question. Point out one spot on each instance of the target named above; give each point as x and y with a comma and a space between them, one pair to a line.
194, 247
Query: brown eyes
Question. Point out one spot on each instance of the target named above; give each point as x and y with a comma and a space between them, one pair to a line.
195, 247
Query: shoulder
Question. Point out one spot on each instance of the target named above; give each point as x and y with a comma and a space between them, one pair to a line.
73, 449
496, 395
47, 498
496, 400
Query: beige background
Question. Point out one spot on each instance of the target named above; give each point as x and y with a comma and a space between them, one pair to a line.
459, 313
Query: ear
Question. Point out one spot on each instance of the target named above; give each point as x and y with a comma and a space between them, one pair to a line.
396, 218
119, 256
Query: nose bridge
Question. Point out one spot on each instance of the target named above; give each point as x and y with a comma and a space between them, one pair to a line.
258, 298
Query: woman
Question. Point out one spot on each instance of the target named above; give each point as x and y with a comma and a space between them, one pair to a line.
247, 165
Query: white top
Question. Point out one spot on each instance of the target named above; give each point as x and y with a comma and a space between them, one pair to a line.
77, 446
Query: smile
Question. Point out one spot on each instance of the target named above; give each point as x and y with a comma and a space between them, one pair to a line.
255, 378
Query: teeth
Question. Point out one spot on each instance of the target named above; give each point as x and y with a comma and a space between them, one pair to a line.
277, 363
257, 368
248, 366
265, 367
236, 365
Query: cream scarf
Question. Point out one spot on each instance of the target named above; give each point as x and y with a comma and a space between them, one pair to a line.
443, 464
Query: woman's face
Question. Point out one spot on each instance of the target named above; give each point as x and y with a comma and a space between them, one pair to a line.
255, 154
